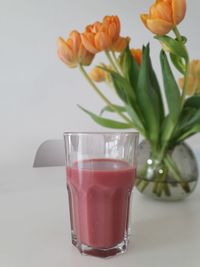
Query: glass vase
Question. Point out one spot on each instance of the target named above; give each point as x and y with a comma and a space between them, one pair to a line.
173, 177
101, 173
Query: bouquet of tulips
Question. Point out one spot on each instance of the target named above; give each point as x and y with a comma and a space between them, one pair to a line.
130, 72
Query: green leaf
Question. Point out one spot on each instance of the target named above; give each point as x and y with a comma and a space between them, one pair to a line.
147, 98
123, 88
135, 118
121, 85
128, 109
171, 88
195, 129
195, 119
178, 63
166, 129
129, 66
172, 46
183, 39
193, 102
156, 87
109, 109
187, 114
126, 93
188, 124
190, 115
130, 70
106, 122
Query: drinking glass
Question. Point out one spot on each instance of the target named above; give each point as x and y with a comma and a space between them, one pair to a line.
100, 170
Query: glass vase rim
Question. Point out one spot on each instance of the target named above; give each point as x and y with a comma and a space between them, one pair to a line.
136, 134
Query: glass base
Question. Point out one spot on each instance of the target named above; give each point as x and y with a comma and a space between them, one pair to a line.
120, 248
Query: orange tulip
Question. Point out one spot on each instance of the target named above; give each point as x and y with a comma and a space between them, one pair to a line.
195, 68
112, 26
194, 78
164, 15
120, 44
137, 54
72, 52
101, 36
98, 75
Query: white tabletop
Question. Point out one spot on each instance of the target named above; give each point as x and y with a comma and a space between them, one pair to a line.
35, 231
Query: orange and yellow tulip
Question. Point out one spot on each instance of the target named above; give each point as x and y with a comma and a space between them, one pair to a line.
137, 54
98, 75
194, 78
101, 36
164, 15
195, 68
72, 52
120, 44
112, 27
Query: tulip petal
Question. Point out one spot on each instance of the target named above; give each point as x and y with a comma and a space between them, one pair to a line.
112, 24
137, 55
103, 41
179, 10
84, 56
191, 88
89, 42
158, 26
93, 28
65, 53
195, 68
98, 75
112, 19
144, 18
113, 31
120, 44
161, 11
63, 47
76, 41
166, 1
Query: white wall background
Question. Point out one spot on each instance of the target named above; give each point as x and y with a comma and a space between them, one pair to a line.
38, 94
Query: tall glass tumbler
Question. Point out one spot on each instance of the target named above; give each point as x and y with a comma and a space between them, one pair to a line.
100, 169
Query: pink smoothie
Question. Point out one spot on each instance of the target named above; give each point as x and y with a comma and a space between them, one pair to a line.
100, 193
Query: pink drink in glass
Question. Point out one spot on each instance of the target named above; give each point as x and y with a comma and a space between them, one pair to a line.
99, 196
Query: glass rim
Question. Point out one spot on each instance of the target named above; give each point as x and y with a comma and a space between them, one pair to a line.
136, 134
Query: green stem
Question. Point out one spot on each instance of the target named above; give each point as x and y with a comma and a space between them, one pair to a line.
172, 167
104, 98
159, 182
114, 56
177, 33
142, 184
167, 190
186, 83
111, 61
117, 63
187, 61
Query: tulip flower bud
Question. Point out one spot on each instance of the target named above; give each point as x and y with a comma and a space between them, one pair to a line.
195, 68
164, 15
101, 36
98, 75
194, 78
72, 52
137, 54
120, 44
